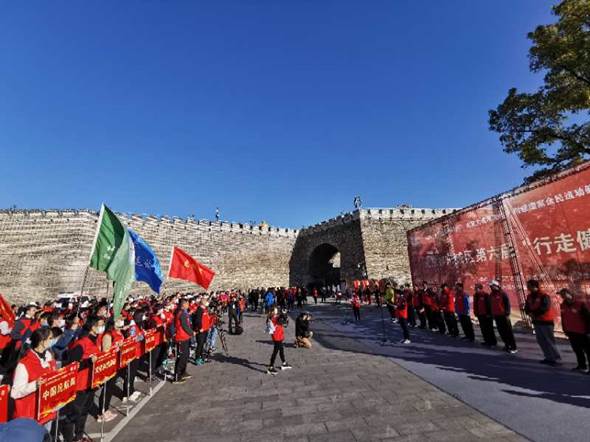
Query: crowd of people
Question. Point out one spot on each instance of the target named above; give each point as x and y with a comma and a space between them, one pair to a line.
449, 310
36, 340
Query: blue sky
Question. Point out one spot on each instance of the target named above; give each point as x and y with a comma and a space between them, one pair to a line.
272, 110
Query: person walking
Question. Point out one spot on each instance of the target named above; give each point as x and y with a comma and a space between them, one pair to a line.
575, 322
538, 306
482, 308
501, 313
275, 324
462, 308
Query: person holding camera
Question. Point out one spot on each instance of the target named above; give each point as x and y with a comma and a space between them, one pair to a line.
275, 326
302, 332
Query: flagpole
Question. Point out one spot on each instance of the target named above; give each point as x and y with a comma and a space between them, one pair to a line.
100, 216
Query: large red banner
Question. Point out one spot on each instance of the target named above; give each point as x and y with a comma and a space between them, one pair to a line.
56, 390
105, 367
548, 224
470, 247
4, 390
128, 352
551, 224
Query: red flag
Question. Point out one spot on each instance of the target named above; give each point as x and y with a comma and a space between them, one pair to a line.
184, 266
6, 312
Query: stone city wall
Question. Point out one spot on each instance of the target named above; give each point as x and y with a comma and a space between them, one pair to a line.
43, 253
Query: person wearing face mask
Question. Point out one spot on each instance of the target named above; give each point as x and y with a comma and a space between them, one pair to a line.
71, 332
25, 326
36, 362
84, 350
575, 322
157, 321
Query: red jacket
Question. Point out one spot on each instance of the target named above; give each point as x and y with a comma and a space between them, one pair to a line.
89, 348
446, 301
27, 406
279, 333
574, 317
401, 310
181, 334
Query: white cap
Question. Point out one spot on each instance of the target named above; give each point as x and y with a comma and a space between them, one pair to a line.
494, 283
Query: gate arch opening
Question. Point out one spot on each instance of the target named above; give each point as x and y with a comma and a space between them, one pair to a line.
324, 265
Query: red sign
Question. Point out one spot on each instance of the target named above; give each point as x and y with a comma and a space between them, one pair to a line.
548, 224
4, 390
152, 338
56, 390
128, 352
470, 247
105, 367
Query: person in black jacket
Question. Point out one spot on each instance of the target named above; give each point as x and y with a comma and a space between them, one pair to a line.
303, 333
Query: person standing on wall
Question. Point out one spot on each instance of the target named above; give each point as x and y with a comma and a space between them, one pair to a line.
538, 306
463, 311
575, 322
501, 313
482, 308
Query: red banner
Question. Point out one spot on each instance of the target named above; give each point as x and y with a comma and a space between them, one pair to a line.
469, 247
128, 352
4, 391
56, 390
105, 367
151, 339
547, 223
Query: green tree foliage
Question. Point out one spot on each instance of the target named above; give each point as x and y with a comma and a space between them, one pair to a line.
550, 129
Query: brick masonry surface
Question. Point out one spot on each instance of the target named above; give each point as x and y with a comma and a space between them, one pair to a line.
43, 253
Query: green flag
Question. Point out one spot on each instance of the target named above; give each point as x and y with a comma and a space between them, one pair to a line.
113, 253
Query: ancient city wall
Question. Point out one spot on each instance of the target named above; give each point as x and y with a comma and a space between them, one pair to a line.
43, 253
374, 239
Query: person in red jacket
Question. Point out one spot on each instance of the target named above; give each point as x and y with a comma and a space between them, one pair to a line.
401, 311
275, 326
482, 309
539, 306
183, 334
84, 350
447, 306
355, 302
36, 362
202, 322
500, 304
575, 322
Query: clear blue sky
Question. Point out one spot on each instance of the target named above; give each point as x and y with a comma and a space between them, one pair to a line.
275, 110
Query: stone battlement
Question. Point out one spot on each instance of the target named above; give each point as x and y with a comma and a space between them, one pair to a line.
154, 221
385, 214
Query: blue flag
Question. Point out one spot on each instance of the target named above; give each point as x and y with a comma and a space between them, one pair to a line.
147, 265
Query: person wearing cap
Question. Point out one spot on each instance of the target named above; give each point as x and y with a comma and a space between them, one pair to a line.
501, 313
482, 308
539, 307
575, 322
462, 308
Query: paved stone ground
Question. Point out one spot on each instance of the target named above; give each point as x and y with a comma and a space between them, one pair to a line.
334, 392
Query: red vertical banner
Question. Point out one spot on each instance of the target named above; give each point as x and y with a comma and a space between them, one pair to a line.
4, 395
105, 367
56, 390
128, 352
